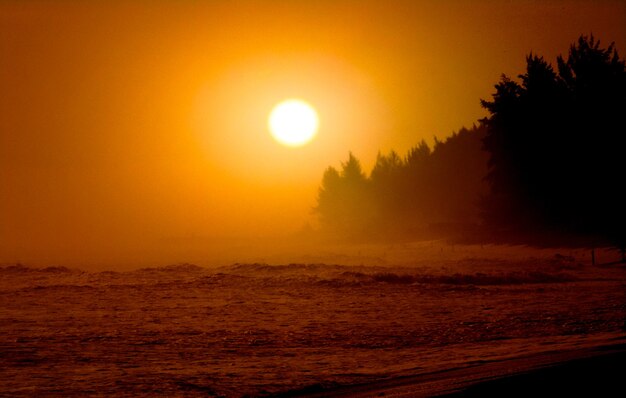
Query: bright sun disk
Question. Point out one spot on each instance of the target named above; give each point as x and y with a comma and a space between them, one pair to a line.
293, 122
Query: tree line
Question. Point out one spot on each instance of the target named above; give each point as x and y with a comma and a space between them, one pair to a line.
407, 195
550, 154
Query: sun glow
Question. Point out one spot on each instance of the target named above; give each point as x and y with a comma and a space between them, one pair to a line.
293, 122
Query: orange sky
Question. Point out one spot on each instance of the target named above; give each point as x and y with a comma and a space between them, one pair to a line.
132, 131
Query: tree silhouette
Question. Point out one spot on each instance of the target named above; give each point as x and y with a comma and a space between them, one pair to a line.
343, 202
329, 197
556, 144
402, 196
386, 181
553, 157
456, 177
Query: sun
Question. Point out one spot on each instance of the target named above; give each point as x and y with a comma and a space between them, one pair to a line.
293, 122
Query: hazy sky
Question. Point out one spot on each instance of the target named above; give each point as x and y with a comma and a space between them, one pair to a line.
133, 131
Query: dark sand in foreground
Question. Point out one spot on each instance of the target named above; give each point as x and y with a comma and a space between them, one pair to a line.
597, 372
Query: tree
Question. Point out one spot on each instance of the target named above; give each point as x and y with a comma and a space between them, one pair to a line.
328, 198
342, 202
386, 181
402, 196
556, 143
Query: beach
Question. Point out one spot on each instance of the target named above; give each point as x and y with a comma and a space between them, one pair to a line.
433, 327
594, 371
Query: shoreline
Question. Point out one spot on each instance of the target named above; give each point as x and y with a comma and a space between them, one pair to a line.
595, 371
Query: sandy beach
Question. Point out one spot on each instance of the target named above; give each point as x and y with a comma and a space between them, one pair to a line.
594, 371
258, 330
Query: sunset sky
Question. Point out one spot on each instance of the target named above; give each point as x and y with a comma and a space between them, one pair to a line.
130, 131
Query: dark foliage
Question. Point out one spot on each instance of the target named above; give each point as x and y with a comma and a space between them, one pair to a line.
405, 195
548, 161
556, 144
342, 197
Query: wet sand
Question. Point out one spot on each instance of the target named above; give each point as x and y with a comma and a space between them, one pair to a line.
597, 372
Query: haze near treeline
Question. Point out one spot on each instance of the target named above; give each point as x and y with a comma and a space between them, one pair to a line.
554, 140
